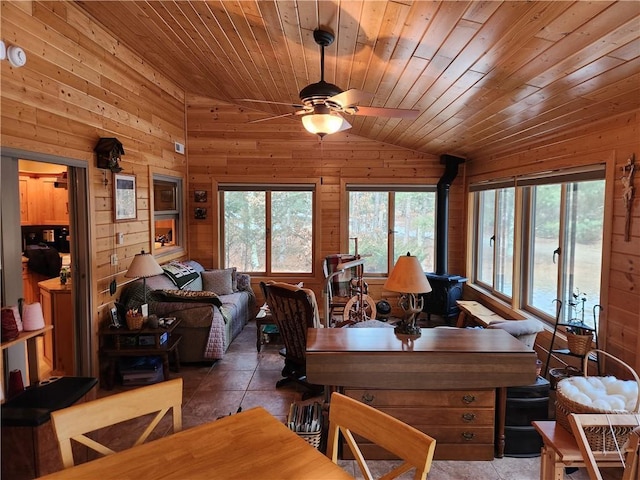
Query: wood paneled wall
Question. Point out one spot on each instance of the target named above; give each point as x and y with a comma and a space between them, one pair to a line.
80, 84
611, 141
224, 147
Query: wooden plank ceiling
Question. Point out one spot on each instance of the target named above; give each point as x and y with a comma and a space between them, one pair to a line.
487, 77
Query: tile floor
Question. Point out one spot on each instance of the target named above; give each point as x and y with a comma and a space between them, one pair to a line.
246, 378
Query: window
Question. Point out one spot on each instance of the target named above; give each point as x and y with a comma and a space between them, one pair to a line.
268, 229
167, 213
565, 247
562, 219
494, 240
390, 221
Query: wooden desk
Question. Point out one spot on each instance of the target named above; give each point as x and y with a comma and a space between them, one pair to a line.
251, 444
447, 382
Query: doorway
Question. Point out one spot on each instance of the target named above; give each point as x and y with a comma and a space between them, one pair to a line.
49, 227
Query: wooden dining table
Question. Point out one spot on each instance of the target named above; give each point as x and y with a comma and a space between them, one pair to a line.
251, 444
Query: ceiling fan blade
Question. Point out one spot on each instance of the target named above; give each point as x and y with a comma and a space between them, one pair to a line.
273, 118
388, 112
294, 105
351, 97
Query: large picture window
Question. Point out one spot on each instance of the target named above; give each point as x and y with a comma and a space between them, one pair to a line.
562, 220
390, 221
268, 229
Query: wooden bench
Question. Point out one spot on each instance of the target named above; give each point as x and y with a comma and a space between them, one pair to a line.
474, 313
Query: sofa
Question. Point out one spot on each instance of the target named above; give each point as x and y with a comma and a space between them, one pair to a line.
213, 306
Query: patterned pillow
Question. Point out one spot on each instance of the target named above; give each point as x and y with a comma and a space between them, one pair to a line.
189, 296
180, 274
219, 281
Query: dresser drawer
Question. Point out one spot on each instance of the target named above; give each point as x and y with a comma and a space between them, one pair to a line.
444, 451
447, 398
419, 415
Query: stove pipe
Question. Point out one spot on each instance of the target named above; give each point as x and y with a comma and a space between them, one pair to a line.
442, 211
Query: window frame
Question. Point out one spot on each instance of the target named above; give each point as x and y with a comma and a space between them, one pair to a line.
523, 229
476, 191
292, 184
354, 185
178, 250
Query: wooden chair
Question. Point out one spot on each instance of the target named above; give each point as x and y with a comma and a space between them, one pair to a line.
294, 310
349, 417
629, 451
74, 422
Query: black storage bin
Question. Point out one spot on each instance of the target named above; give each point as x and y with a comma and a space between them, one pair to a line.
540, 389
522, 442
525, 405
523, 411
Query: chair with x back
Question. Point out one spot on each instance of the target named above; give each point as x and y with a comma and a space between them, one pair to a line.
73, 423
350, 417
294, 311
619, 434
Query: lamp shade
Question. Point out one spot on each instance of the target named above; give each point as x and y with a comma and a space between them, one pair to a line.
143, 265
407, 277
322, 123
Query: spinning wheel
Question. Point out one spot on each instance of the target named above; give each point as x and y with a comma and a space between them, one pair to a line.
357, 310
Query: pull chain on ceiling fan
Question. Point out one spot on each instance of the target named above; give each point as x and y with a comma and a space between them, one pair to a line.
323, 103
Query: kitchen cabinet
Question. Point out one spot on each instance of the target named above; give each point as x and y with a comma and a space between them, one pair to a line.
58, 311
30, 280
41, 203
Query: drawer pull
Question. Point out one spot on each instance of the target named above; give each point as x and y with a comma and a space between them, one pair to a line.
468, 436
468, 399
468, 417
368, 398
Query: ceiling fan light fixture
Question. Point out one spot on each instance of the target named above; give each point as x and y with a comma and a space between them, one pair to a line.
322, 124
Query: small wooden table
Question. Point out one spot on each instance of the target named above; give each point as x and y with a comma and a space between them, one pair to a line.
561, 450
251, 444
263, 317
121, 342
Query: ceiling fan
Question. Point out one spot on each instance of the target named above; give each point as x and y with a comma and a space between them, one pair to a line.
323, 104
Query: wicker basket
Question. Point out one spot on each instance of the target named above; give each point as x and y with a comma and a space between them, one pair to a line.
557, 374
134, 322
600, 439
579, 344
312, 439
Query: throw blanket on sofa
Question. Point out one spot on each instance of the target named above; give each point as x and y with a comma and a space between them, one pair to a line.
164, 304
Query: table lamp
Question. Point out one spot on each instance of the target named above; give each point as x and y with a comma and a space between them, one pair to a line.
408, 279
142, 266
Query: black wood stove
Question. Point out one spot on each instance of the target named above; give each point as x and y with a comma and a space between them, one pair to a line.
446, 288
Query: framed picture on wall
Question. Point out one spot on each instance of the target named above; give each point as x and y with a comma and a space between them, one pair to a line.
124, 197
200, 196
200, 213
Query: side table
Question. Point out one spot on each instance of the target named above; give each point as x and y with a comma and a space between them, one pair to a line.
263, 317
121, 342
